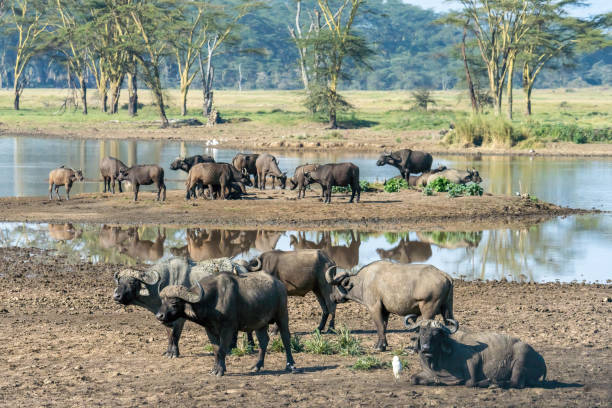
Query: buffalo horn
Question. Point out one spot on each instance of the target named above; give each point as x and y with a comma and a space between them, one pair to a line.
148, 277
181, 292
332, 278
454, 325
410, 322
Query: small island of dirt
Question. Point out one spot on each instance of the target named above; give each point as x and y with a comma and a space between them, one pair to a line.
279, 209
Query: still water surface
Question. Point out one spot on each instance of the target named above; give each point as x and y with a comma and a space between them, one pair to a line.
574, 248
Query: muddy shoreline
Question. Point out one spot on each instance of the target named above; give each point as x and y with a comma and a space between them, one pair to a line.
278, 209
241, 137
66, 343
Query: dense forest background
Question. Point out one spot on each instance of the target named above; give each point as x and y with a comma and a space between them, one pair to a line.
411, 51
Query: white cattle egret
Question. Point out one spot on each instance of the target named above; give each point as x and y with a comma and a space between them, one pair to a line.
397, 367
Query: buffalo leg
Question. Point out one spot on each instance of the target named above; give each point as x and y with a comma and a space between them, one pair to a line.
111, 182
120, 189
68, 187
283, 325
328, 193
263, 339
174, 334
104, 181
59, 197
324, 313
51, 191
163, 188
215, 341
136, 188
377, 315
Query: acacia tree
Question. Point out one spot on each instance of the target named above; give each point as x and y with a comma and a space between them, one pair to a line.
333, 45
28, 20
208, 27
301, 39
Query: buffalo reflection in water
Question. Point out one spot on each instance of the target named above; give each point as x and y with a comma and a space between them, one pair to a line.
64, 232
407, 252
143, 249
346, 257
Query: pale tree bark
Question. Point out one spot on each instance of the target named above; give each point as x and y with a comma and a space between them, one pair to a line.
468, 75
296, 35
207, 76
133, 92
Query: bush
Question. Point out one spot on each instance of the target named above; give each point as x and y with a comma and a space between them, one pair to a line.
395, 184
479, 130
276, 346
367, 363
347, 344
365, 186
442, 185
560, 132
317, 344
243, 347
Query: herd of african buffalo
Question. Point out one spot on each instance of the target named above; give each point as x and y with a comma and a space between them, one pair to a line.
204, 285
210, 179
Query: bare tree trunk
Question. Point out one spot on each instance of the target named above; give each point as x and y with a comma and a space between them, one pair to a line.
240, 77
207, 79
16, 100
133, 93
184, 90
468, 76
528, 95
83, 89
115, 88
509, 87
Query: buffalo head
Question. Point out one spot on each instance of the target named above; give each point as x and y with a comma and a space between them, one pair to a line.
473, 176
177, 163
129, 284
123, 175
387, 158
293, 183
341, 282
283, 180
433, 340
173, 301
78, 175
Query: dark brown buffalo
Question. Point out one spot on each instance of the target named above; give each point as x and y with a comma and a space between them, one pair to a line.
299, 179
336, 174
145, 175
226, 303
245, 163
63, 177
221, 177
387, 287
407, 161
186, 163
110, 169
267, 165
407, 251
453, 357
301, 272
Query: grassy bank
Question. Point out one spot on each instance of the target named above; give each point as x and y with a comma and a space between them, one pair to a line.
378, 117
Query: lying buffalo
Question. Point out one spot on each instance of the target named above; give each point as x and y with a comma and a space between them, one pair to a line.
142, 288
267, 165
301, 272
386, 287
225, 304
245, 163
110, 169
63, 177
336, 174
186, 163
299, 178
453, 175
407, 161
452, 357
221, 177
145, 175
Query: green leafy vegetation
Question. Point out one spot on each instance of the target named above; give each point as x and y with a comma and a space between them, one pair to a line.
450, 238
395, 184
346, 344
243, 347
443, 185
363, 184
368, 362
276, 345
317, 344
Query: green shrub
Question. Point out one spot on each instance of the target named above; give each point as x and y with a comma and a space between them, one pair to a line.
428, 191
276, 345
473, 189
395, 184
347, 344
440, 185
479, 130
317, 344
243, 347
365, 186
367, 363
560, 132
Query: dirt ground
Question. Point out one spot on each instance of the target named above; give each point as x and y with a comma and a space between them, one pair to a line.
274, 209
66, 343
306, 137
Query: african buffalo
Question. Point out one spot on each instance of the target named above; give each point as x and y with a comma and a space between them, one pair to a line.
386, 287
142, 288
144, 174
407, 251
111, 237
267, 165
186, 163
226, 303
63, 177
64, 232
299, 179
110, 169
301, 272
453, 175
407, 161
245, 163
452, 357
144, 249
221, 177
336, 174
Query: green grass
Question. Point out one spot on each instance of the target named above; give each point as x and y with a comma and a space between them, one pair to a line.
368, 362
243, 347
317, 344
346, 344
396, 184
276, 345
